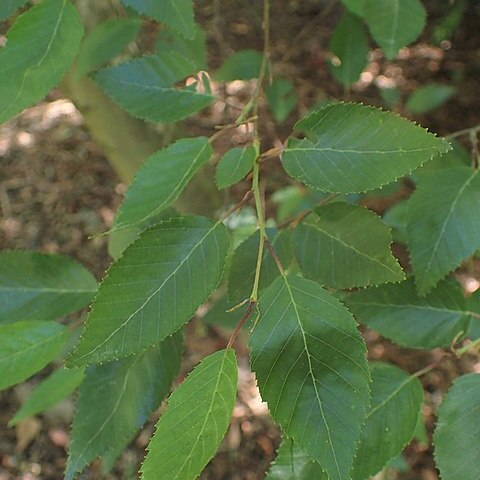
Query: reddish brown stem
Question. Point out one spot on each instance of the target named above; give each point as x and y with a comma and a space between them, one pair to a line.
241, 323
275, 256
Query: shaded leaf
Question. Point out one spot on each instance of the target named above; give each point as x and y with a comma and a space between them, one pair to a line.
241, 65
356, 6
291, 463
234, 166
398, 313
349, 44
450, 232
345, 246
105, 42
154, 288
194, 49
241, 274
309, 359
27, 347
474, 306
40, 48
195, 420
145, 87
41, 286
177, 14
391, 422
116, 399
161, 179
281, 97
7, 7
352, 148
51, 391
429, 97
456, 439
394, 23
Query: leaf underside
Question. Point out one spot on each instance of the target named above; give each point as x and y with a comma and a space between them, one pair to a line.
195, 420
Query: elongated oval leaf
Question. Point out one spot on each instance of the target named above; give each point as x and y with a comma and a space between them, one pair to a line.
27, 347
42, 287
154, 288
241, 65
440, 240
178, 14
344, 246
356, 6
292, 463
195, 420
457, 443
55, 388
7, 7
234, 166
40, 49
352, 148
394, 23
241, 274
429, 97
349, 44
116, 399
145, 87
391, 422
105, 42
309, 359
398, 313
161, 179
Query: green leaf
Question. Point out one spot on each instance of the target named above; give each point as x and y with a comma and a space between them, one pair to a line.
292, 463
398, 313
7, 7
40, 49
145, 87
105, 42
161, 180
356, 6
349, 44
391, 422
456, 439
51, 391
241, 274
42, 287
281, 97
396, 219
220, 314
429, 97
443, 225
116, 399
195, 420
154, 288
234, 166
309, 359
345, 246
195, 49
242, 65
177, 14
394, 23
27, 347
352, 148
474, 307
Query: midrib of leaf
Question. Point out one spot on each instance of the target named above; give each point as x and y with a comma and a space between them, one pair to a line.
30, 69
141, 307
447, 219
110, 416
220, 373
391, 396
360, 152
391, 40
33, 346
156, 88
350, 247
312, 376
168, 200
175, 6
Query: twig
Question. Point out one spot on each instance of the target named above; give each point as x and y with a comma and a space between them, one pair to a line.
275, 256
248, 195
465, 131
241, 323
